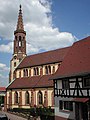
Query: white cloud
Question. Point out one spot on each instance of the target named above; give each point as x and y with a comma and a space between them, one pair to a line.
3, 74
38, 25
3, 67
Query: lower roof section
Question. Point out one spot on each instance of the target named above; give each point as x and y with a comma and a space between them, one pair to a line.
31, 82
82, 100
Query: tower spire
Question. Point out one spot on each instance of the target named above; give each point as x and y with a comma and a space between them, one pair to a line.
20, 20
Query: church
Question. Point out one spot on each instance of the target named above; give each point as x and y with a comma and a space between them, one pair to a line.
29, 77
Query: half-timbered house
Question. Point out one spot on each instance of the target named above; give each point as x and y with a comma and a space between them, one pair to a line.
72, 83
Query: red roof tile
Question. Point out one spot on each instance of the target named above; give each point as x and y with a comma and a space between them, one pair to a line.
31, 82
77, 60
2, 89
44, 58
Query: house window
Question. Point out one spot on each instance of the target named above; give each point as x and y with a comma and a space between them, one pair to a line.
40, 97
68, 105
65, 84
65, 105
86, 82
16, 97
27, 97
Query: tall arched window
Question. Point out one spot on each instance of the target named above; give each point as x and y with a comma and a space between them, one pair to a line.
20, 41
40, 97
46, 70
37, 71
27, 97
53, 70
16, 97
26, 72
49, 69
34, 71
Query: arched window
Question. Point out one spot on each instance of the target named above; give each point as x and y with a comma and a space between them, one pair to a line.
40, 97
20, 44
46, 70
24, 73
27, 97
49, 69
16, 97
37, 71
14, 74
34, 71
53, 70
52, 98
20, 38
19, 74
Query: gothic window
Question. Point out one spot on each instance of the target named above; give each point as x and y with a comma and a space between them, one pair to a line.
27, 97
34, 71
52, 98
14, 75
46, 70
40, 97
49, 69
20, 41
16, 97
53, 70
14, 64
19, 38
37, 71
86, 82
65, 84
24, 73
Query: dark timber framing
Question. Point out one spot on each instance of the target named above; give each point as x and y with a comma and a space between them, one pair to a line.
76, 90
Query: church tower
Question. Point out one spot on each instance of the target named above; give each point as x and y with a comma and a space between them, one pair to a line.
19, 51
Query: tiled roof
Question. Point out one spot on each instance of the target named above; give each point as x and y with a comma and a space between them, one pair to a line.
44, 58
77, 60
31, 82
2, 89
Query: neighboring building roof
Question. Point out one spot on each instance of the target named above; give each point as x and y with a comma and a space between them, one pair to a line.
77, 60
44, 58
31, 82
2, 89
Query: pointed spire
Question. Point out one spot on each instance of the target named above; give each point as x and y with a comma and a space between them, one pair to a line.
20, 20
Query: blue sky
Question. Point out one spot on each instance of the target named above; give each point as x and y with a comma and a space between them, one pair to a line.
50, 24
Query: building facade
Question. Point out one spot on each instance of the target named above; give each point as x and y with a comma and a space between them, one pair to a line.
72, 83
29, 75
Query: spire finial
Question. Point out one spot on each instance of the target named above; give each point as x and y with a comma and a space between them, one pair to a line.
20, 11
